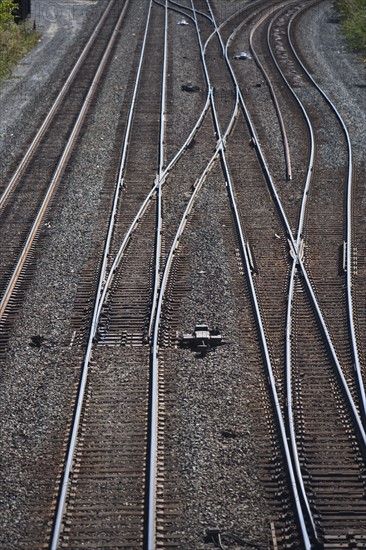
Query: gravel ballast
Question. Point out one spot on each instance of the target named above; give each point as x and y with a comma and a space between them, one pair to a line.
38, 385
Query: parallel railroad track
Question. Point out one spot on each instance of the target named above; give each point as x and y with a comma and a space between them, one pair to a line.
332, 463
82, 487
170, 508
118, 488
106, 488
326, 223
123, 310
359, 489
290, 178
219, 153
26, 199
350, 402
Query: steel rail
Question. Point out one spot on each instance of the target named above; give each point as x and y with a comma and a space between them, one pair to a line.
296, 461
121, 175
343, 383
151, 523
260, 66
273, 94
165, 272
120, 182
241, 10
103, 285
128, 236
176, 10
290, 297
161, 176
151, 542
250, 124
47, 121
310, 168
298, 252
190, 9
148, 198
175, 244
261, 327
164, 283
81, 390
143, 209
298, 258
256, 143
288, 374
59, 170
154, 390
164, 279
357, 365
160, 170
268, 363
155, 347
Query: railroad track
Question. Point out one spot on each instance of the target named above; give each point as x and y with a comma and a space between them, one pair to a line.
27, 197
72, 485
122, 310
287, 113
298, 82
345, 532
106, 489
358, 264
155, 429
118, 487
349, 399
140, 170
219, 153
325, 254
160, 517
331, 461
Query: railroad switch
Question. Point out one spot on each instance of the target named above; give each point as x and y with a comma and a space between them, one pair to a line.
213, 531
190, 88
202, 339
37, 341
212, 534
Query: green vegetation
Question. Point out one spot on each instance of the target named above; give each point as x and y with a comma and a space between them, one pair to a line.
15, 40
6, 7
354, 23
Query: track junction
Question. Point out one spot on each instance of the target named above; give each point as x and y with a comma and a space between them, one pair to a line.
283, 218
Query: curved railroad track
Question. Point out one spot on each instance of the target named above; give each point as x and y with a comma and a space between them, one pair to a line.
333, 304
123, 307
252, 186
156, 528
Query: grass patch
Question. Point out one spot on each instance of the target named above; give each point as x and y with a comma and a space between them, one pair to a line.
354, 23
15, 42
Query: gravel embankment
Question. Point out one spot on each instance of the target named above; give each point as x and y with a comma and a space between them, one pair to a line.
37, 385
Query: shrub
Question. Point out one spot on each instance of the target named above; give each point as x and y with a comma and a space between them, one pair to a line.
354, 22
15, 40
6, 8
